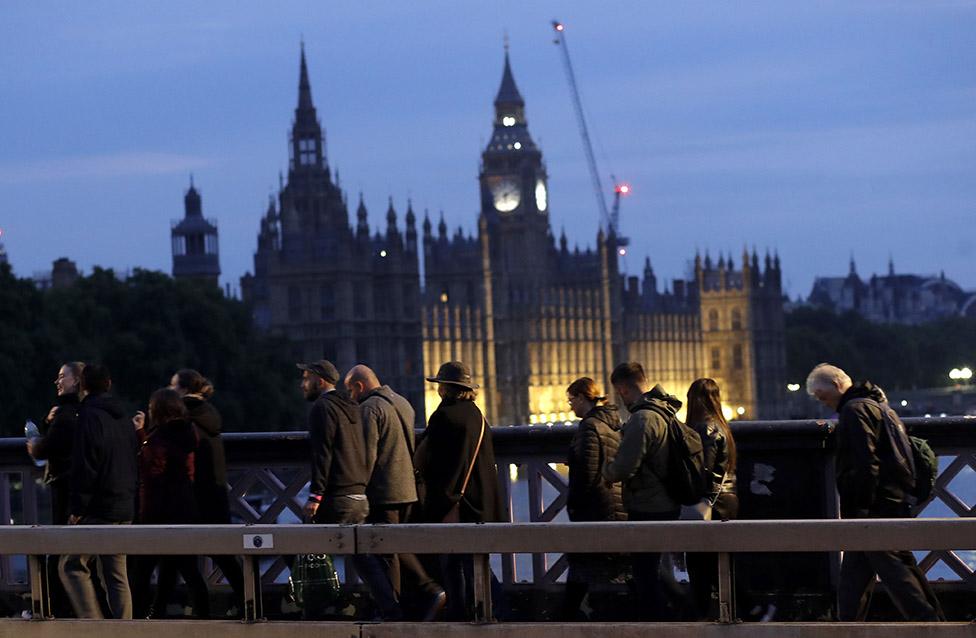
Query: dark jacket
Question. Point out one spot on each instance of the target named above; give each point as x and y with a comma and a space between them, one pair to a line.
103, 462
166, 473
867, 485
716, 451
210, 482
444, 455
55, 444
641, 463
335, 433
388, 427
595, 442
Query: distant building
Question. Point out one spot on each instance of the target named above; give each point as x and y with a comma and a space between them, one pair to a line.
893, 298
63, 273
528, 314
196, 253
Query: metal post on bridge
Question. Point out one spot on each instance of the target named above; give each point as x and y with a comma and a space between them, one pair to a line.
253, 606
726, 595
482, 589
40, 587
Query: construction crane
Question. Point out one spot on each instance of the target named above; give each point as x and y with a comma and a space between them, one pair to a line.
609, 218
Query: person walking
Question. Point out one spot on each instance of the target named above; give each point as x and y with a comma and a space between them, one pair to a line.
210, 467
167, 496
103, 492
337, 493
706, 418
870, 486
388, 420
590, 497
641, 465
54, 446
456, 462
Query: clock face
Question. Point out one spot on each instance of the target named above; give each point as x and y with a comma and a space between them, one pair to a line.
507, 196
541, 196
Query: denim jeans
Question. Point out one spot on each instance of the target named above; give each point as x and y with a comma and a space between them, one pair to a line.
76, 575
370, 567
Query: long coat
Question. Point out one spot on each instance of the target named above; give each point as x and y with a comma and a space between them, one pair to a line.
594, 444
210, 466
443, 458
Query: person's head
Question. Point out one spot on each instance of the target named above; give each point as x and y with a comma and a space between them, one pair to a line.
188, 381
69, 378
360, 381
454, 381
317, 377
629, 381
95, 379
704, 405
165, 406
704, 401
827, 384
583, 395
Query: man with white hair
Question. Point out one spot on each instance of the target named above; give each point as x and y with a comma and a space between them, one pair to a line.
870, 485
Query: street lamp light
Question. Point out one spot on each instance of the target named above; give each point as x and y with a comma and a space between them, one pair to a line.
960, 374
793, 387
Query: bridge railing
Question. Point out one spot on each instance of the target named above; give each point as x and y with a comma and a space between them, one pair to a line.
481, 540
785, 470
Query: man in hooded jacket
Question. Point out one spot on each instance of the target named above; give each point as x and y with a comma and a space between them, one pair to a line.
104, 476
869, 488
641, 464
337, 494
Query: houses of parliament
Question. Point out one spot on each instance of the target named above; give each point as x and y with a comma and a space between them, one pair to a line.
526, 312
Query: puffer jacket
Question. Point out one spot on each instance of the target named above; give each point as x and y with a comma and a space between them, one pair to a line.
596, 441
867, 481
641, 463
716, 450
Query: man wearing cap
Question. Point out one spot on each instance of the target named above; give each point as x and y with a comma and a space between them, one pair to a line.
337, 493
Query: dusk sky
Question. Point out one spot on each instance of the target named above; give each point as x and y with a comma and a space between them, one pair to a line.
816, 129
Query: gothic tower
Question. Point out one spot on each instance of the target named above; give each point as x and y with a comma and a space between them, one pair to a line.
194, 239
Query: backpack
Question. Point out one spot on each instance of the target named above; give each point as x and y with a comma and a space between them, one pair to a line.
914, 461
687, 480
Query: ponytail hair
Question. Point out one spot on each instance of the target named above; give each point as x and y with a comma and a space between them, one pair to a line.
194, 383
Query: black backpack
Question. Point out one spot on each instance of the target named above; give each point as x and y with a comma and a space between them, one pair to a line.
687, 480
913, 459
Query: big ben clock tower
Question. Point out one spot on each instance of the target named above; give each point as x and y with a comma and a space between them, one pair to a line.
514, 187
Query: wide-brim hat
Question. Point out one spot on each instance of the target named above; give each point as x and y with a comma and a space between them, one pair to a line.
455, 373
323, 368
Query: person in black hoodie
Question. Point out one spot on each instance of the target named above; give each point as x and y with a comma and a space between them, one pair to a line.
337, 494
869, 487
210, 482
54, 446
590, 497
103, 492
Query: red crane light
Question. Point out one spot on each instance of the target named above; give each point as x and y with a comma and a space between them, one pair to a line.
623, 189
559, 26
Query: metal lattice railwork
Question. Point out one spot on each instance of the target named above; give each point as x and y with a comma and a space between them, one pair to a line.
269, 475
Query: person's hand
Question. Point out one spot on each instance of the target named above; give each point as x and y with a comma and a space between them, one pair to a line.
50, 415
139, 420
74, 520
311, 507
30, 446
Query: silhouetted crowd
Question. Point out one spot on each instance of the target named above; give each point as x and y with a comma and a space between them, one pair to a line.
106, 467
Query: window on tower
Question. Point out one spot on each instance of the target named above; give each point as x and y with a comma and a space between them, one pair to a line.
508, 120
306, 151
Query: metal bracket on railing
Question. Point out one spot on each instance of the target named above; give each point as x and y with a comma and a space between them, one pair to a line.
482, 589
726, 595
40, 587
253, 606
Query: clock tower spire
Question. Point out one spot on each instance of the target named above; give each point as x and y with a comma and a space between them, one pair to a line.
513, 176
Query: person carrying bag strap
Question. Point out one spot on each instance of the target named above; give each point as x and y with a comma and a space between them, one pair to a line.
454, 514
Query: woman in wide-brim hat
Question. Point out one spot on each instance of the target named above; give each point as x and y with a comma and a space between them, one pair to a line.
456, 444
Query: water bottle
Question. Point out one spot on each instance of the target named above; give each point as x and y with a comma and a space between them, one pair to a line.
31, 432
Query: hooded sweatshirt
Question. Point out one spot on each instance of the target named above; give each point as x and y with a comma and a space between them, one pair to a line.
641, 463
338, 447
104, 470
866, 483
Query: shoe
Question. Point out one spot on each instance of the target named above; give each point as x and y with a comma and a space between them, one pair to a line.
433, 609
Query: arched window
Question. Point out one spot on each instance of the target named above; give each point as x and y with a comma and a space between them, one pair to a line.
716, 359
713, 320
736, 319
